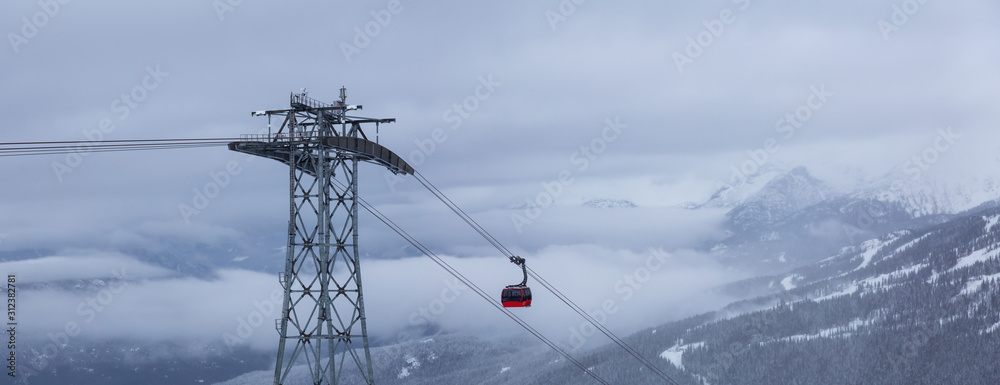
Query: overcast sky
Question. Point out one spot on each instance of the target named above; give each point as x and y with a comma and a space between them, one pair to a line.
669, 98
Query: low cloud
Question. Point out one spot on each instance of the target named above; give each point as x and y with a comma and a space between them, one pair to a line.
642, 289
156, 310
239, 306
81, 266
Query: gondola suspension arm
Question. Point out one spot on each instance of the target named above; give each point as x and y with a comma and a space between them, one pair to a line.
520, 262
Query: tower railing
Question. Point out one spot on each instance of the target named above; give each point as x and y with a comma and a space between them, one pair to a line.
280, 137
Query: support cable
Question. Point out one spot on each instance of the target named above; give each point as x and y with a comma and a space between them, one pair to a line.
559, 295
86, 146
479, 291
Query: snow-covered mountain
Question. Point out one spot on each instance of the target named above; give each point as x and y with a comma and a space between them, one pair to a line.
911, 307
775, 192
925, 196
795, 219
779, 198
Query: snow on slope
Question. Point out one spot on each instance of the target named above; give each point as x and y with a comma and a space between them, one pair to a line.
981, 255
833, 332
788, 283
675, 354
991, 221
411, 363
927, 196
848, 290
853, 287
872, 246
975, 284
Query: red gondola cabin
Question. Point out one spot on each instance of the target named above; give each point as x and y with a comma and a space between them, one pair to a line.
516, 296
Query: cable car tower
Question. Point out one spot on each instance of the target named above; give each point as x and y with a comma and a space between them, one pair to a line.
323, 312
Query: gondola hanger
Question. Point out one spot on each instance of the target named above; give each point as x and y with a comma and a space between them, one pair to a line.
517, 295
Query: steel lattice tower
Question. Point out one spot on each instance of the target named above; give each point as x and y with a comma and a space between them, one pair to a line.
323, 314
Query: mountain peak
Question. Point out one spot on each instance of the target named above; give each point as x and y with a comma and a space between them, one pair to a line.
799, 171
742, 187
779, 198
